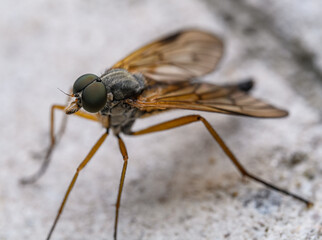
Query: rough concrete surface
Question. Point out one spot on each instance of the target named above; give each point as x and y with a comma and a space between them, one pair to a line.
179, 184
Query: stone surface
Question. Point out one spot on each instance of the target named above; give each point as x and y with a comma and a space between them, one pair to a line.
179, 184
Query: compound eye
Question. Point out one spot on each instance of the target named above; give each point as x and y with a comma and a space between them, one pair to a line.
94, 97
83, 81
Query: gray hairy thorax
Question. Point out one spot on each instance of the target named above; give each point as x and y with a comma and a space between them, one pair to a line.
121, 85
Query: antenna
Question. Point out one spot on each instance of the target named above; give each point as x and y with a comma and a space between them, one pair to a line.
70, 95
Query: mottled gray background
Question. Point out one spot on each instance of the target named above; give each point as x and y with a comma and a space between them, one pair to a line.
179, 184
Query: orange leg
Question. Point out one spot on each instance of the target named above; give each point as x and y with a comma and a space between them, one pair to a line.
118, 201
71, 185
53, 141
196, 118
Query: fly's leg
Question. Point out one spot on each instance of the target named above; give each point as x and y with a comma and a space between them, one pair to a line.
118, 201
71, 185
196, 118
53, 141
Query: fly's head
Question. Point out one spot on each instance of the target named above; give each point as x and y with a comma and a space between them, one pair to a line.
90, 93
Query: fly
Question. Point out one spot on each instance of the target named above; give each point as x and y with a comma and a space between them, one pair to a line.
158, 77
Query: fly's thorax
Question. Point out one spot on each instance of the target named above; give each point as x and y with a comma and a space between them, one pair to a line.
120, 114
121, 85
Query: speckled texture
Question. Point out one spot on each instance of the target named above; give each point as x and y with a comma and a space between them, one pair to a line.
179, 184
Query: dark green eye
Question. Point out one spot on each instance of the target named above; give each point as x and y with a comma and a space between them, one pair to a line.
83, 81
94, 97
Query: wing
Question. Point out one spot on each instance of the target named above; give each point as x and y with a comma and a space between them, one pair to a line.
203, 97
178, 57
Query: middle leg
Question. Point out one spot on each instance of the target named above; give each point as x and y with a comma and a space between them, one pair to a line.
118, 201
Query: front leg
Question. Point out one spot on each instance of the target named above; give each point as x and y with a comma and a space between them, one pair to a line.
53, 140
80, 167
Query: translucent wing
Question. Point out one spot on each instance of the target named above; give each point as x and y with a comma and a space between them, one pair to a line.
204, 97
178, 57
